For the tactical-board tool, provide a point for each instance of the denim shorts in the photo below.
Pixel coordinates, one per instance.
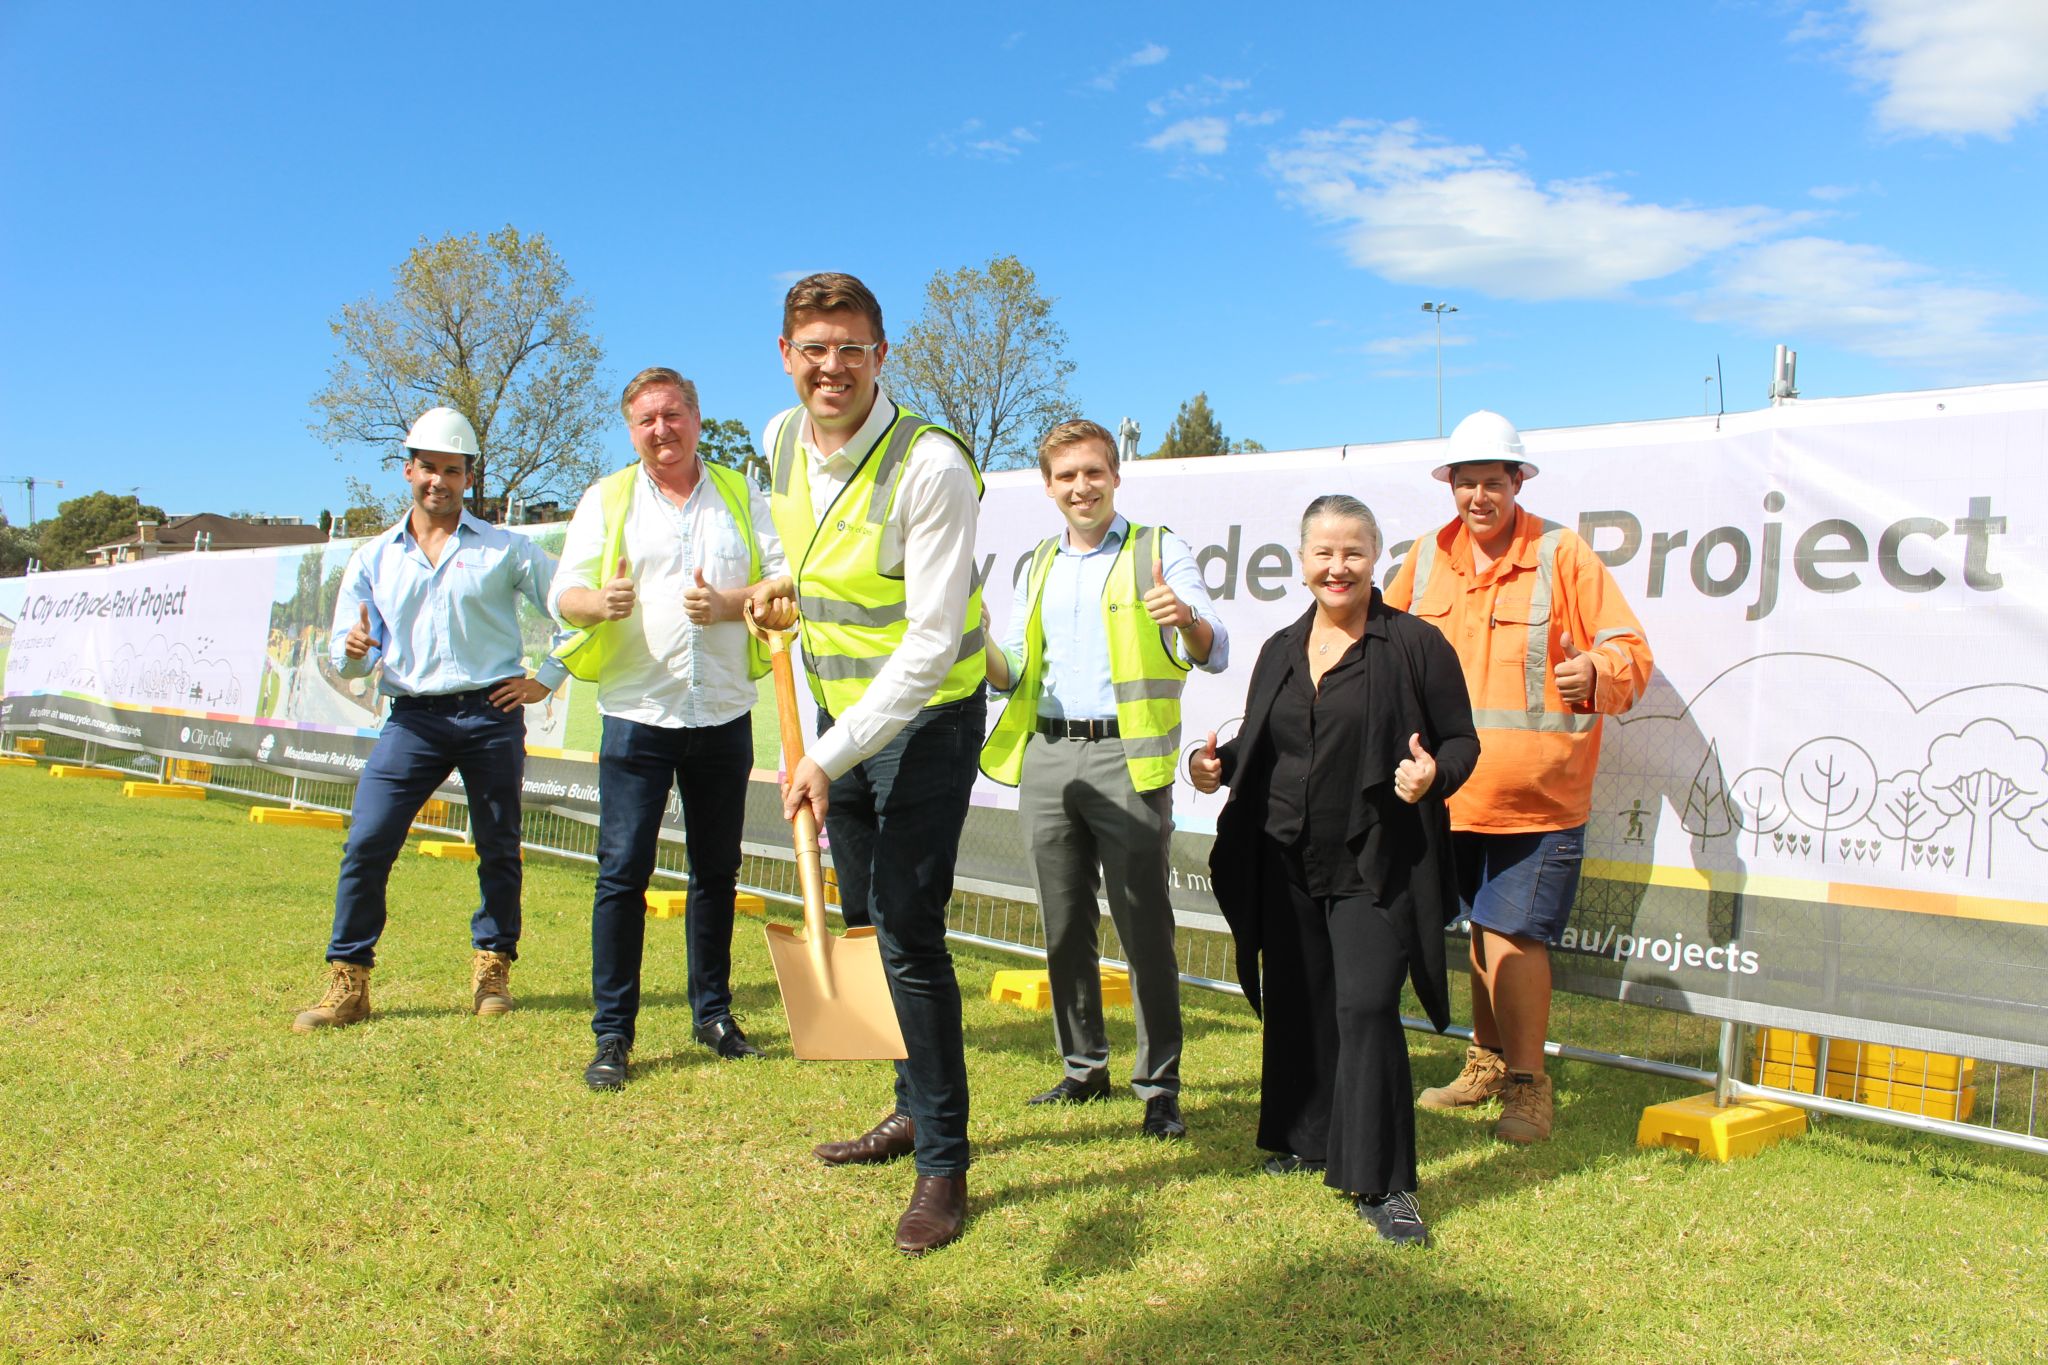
(1522, 885)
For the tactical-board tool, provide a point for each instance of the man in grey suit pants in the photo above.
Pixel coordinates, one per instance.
(1102, 632)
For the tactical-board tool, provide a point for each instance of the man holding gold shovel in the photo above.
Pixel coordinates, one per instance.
(877, 507)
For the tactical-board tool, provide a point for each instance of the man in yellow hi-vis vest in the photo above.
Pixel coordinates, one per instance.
(655, 567)
(1105, 625)
(877, 507)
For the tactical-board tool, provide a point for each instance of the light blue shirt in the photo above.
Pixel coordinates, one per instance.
(1077, 685)
(447, 627)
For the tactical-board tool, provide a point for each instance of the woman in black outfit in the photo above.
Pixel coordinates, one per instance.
(1332, 859)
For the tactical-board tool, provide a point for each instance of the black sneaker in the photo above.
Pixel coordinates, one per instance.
(1287, 1163)
(1071, 1091)
(1395, 1217)
(607, 1071)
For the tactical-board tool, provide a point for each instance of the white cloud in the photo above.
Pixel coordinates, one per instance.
(1200, 94)
(1870, 300)
(1260, 119)
(1424, 340)
(1205, 136)
(1954, 67)
(1834, 194)
(1418, 210)
(1151, 54)
(970, 140)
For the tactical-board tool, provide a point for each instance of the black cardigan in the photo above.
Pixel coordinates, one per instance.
(1414, 686)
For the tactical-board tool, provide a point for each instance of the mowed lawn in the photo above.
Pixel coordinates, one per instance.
(183, 1178)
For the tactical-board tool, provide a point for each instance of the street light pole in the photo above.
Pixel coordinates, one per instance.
(1706, 394)
(1439, 309)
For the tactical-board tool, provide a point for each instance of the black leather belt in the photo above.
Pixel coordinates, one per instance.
(1054, 728)
(447, 701)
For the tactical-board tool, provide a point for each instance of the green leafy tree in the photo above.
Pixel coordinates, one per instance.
(95, 519)
(1247, 447)
(17, 548)
(727, 441)
(369, 511)
(987, 359)
(1195, 431)
(490, 326)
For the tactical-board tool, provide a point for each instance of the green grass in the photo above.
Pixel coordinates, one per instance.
(182, 1178)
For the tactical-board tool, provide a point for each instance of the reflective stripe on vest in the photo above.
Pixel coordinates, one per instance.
(585, 653)
(849, 569)
(1536, 645)
(1146, 671)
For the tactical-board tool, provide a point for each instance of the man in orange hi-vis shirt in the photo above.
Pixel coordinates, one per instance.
(1548, 647)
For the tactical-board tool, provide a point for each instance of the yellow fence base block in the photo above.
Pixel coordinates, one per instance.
(168, 791)
(284, 815)
(1033, 990)
(453, 852)
(676, 904)
(16, 761)
(73, 770)
(30, 746)
(1696, 1125)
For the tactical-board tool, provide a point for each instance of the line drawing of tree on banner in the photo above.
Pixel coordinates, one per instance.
(1985, 771)
(1829, 784)
(1903, 812)
(1758, 804)
(1706, 813)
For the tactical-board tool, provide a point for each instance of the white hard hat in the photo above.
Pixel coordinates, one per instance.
(1481, 439)
(444, 430)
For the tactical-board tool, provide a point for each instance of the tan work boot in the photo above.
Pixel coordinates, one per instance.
(1485, 1075)
(347, 1000)
(1525, 1111)
(490, 978)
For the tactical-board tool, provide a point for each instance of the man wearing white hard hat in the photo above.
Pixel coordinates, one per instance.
(435, 601)
(1548, 647)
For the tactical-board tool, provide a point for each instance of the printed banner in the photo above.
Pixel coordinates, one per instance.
(1832, 805)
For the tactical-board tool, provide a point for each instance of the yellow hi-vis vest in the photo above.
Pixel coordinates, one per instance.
(585, 652)
(848, 567)
(1145, 669)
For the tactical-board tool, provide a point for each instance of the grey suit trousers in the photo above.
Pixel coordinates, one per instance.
(1087, 828)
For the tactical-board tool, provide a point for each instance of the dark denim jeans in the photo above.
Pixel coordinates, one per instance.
(425, 739)
(637, 766)
(894, 823)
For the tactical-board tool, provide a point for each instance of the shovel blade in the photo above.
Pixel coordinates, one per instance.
(839, 1011)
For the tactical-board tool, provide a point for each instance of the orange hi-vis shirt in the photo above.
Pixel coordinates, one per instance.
(1537, 752)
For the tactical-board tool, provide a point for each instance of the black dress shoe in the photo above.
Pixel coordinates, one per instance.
(894, 1136)
(723, 1037)
(1162, 1118)
(937, 1211)
(1287, 1163)
(1071, 1091)
(607, 1071)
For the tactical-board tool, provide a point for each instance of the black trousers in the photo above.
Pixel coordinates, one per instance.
(1335, 1083)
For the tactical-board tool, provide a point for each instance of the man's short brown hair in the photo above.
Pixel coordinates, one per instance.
(651, 377)
(1073, 433)
(829, 292)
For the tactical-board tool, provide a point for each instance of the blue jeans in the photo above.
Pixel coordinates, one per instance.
(637, 765)
(425, 739)
(894, 822)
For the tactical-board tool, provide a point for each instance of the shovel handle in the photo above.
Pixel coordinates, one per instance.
(810, 865)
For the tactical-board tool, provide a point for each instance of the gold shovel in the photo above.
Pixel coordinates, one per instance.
(833, 989)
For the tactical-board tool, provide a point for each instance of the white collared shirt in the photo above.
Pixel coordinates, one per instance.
(666, 671)
(937, 505)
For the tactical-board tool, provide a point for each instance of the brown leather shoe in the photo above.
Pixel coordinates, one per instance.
(938, 1209)
(894, 1136)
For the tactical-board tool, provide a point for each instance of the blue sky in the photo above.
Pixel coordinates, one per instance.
(1254, 203)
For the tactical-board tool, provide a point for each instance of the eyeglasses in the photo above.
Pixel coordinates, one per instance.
(852, 354)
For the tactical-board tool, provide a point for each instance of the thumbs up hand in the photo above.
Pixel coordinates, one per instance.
(1575, 676)
(702, 602)
(359, 641)
(1416, 773)
(1205, 768)
(618, 593)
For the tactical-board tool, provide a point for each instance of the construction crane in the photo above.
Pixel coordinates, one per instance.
(30, 485)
